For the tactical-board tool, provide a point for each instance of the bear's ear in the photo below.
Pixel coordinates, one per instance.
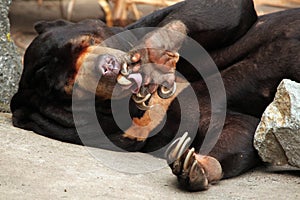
(43, 26)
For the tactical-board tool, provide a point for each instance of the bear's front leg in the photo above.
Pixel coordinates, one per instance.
(232, 154)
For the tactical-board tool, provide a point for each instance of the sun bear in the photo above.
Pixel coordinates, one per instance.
(129, 75)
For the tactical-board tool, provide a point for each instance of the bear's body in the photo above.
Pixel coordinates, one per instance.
(253, 55)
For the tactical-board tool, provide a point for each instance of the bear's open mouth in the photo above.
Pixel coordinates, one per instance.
(142, 85)
(148, 68)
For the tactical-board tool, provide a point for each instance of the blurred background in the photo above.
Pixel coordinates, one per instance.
(24, 13)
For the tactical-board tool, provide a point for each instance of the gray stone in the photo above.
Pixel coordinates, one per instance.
(277, 137)
(10, 60)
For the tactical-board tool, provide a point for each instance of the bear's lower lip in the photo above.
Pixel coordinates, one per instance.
(137, 78)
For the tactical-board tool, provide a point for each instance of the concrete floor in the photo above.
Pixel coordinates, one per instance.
(36, 167)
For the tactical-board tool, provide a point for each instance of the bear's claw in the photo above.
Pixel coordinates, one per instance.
(194, 171)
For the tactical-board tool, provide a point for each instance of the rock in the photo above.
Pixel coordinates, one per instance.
(10, 60)
(277, 137)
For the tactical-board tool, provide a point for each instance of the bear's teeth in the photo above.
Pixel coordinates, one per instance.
(123, 81)
(124, 70)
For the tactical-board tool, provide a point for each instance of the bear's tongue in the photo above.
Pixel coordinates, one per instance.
(136, 82)
(137, 78)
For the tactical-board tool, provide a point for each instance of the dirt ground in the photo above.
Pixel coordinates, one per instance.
(35, 167)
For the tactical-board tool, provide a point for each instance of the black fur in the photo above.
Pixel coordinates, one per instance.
(254, 55)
